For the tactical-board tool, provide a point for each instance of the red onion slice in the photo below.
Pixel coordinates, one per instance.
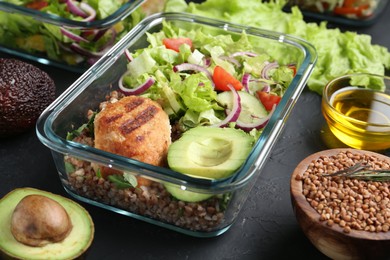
(137, 90)
(83, 10)
(194, 67)
(110, 42)
(235, 111)
(231, 60)
(128, 55)
(89, 10)
(72, 36)
(76, 10)
(99, 34)
(243, 53)
(245, 82)
(266, 88)
(207, 62)
(82, 51)
(267, 68)
(247, 127)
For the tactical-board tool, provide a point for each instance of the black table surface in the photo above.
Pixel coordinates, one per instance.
(266, 227)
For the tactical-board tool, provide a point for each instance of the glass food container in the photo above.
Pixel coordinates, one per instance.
(69, 34)
(226, 196)
(356, 13)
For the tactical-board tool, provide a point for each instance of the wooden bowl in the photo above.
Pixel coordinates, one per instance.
(332, 240)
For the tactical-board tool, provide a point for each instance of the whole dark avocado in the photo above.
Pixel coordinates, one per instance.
(25, 91)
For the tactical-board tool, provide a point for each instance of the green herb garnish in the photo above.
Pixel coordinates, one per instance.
(127, 180)
(87, 126)
(69, 168)
(99, 173)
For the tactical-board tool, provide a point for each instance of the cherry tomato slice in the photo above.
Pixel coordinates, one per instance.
(222, 78)
(37, 5)
(356, 10)
(175, 43)
(293, 68)
(268, 100)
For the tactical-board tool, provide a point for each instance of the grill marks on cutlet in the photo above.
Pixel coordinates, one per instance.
(110, 119)
(142, 118)
(130, 106)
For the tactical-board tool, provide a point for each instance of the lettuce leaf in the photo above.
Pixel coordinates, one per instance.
(338, 52)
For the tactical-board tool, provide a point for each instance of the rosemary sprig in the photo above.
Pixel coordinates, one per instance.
(360, 171)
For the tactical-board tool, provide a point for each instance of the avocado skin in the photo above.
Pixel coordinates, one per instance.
(25, 91)
(82, 232)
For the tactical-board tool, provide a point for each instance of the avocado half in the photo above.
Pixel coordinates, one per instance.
(210, 152)
(72, 247)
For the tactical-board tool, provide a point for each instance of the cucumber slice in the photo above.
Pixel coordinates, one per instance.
(251, 107)
(185, 195)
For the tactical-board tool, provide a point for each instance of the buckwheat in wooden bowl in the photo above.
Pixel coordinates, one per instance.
(347, 215)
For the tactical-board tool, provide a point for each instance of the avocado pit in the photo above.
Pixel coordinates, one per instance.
(38, 220)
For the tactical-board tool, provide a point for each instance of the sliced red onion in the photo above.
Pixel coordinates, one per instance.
(235, 111)
(243, 53)
(247, 127)
(245, 82)
(137, 90)
(189, 66)
(72, 36)
(76, 10)
(92, 60)
(267, 68)
(82, 51)
(64, 47)
(99, 34)
(231, 60)
(83, 10)
(266, 88)
(110, 42)
(207, 62)
(78, 58)
(128, 55)
(89, 10)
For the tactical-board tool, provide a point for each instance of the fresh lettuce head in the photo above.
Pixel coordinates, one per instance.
(338, 52)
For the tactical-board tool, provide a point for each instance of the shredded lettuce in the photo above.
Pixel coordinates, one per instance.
(338, 52)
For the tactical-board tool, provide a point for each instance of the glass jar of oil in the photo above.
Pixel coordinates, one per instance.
(358, 116)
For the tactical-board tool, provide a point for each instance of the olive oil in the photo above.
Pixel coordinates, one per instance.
(361, 118)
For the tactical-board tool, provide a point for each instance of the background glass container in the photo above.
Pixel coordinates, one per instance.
(355, 13)
(39, 36)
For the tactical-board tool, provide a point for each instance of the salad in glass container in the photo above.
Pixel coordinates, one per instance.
(70, 33)
(350, 12)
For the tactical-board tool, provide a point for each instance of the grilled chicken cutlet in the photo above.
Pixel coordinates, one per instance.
(135, 127)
